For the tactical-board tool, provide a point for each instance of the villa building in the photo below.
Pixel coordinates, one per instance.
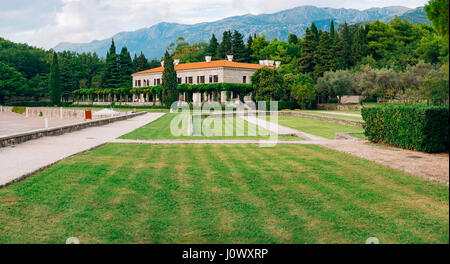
(220, 71)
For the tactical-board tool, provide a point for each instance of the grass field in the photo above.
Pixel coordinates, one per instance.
(333, 115)
(130, 193)
(160, 129)
(317, 127)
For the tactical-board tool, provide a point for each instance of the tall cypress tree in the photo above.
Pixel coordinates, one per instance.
(111, 76)
(55, 81)
(325, 59)
(125, 68)
(140, 63)
(211, 50)
(315, 32)
(169, 81)
(344, 48)
(238, 48)
(332, 31)
(225, 46)
(308, 47)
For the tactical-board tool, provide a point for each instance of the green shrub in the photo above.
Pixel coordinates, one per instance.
(333, 101)
(36, 103)
(417, 127)
(18, 109)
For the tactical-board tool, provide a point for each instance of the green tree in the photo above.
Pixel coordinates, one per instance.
(292, 39)
(225, 47)
(141, 63)
(303, 91)
(308, 48)
(267, 84)
(211, 50)
(55, 81)
(238, 48)
(437, 12)
(325, 57)
(259, 44)
(10, 81)
(125, 69)
(380, 39)
(169, 81)
(344, 47)
(111, 76)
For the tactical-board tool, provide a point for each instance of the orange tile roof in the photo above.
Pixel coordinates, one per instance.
(205, 65)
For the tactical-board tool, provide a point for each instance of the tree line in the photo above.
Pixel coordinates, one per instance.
(321, 63)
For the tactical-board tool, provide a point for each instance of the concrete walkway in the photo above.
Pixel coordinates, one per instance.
(22, 160)
(279, 129)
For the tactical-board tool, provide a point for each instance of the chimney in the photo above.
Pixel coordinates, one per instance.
(208, 59)
(176, 62)
(162, 63)
(230, 57)
(277, 64)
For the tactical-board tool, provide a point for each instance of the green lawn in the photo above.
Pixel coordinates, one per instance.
(160, 129)
(316, 127)
(333, 115)
(131, 193)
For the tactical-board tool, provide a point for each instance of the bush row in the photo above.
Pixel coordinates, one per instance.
(417, 127)
(36, 103)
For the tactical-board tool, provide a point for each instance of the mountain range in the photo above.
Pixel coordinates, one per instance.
(154, 40)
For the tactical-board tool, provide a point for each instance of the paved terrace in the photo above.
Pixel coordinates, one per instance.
(22, 160)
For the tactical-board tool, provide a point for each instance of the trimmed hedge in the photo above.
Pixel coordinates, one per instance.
(417, 127)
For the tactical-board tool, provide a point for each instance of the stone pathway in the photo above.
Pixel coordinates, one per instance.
(20, 161)
(279, 129)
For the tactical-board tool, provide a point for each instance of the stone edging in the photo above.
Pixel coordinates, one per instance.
(15, 139)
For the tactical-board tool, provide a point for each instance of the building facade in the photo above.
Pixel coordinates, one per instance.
(220, 71)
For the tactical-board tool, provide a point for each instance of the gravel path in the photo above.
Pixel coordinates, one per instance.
(20, 161)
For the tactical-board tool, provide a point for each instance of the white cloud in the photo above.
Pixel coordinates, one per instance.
(45, 23)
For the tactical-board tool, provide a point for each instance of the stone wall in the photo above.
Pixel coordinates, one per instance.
(351, 99)
(56, 131)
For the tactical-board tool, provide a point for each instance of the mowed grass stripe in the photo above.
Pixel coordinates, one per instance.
(247, 225)
(160, 129)
(370, 202)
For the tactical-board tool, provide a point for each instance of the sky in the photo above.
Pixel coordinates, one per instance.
(45, 23)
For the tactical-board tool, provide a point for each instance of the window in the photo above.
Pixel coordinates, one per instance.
(210, 78)
(200, 79)
(139, 83)
(216, 78)
(180, 80)
(244, 79)
(189, 79)
(158, 81)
